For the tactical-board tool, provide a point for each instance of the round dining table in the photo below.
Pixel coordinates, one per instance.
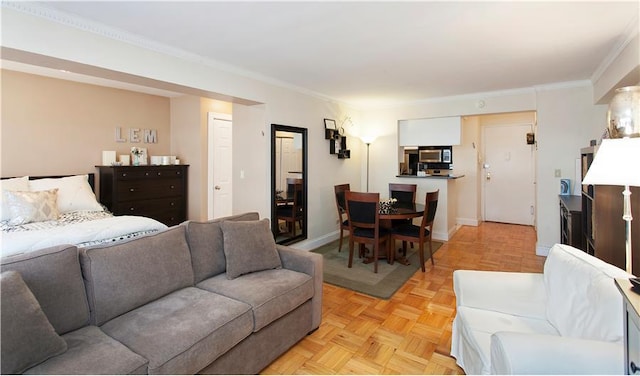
(401, 210)
(398, 210)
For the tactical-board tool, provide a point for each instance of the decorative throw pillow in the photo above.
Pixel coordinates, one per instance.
(27, 336)
(26, 207)
(249, 247)
(14, 184)
(74, 192)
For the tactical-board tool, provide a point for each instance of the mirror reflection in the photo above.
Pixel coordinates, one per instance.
(288, 183)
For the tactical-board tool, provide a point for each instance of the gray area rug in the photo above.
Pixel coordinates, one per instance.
(361, 277)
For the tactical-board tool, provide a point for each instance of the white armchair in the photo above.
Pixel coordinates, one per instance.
(567, 320)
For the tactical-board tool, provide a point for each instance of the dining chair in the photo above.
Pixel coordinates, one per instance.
(342, 211)
(404, 193)
(363, 214)
(292, 213)
(419, 234)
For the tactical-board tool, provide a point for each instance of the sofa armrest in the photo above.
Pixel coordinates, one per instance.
(309, 263)
(519, 353)
(520, 294)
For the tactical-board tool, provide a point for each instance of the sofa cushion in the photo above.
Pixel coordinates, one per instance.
(280, 291)
(90, 351)
(471, 340)
(127, 275)
(206, 245)
(583, 301)
(27, 336)
(520, 294)
(54, 276)
(249, 247)
(183, 332)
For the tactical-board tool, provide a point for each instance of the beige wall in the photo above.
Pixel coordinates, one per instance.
(52, 126)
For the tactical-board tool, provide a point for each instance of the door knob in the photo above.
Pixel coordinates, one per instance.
(217, 188)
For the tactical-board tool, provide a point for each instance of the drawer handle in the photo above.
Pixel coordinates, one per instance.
(146, 174)
(159, 173)
(633, 367)
(173, 186)
(131, 189)
(173, 204)
(132, 209)
(124, 174)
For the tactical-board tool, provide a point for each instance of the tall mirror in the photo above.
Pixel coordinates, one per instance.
(288, 183)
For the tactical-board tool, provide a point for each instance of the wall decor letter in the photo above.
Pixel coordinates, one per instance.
(150, 136)
(118, 136)
(133, 134)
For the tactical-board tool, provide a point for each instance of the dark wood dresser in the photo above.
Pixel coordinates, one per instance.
(158, 192)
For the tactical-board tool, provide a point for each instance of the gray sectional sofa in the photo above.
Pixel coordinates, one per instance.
(202, 297)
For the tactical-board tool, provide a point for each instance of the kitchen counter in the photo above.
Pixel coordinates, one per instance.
(450, 176)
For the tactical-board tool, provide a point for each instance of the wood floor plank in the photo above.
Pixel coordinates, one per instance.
(411, 332)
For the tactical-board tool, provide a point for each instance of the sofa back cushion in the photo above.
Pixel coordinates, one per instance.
(583, 301)
(27, 336)
(124, 276)
(54, 277)
(207, 245)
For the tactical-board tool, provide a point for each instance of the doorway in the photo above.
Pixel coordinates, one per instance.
(508, 174)
(220, 178)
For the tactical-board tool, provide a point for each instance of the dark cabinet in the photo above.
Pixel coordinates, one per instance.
(602, 223)
(571, 221)
(158, 192)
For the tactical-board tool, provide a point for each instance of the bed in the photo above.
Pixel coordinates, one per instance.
(44, 211)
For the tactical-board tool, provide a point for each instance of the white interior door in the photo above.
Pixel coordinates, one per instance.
(220, 187)
(508, 175)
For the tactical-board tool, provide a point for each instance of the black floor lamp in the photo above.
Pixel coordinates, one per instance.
(367, 140)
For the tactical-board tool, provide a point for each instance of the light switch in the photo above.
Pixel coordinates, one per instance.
(558, 173)
(241, 174)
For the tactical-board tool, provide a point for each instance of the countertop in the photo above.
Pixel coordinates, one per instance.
(450, 176)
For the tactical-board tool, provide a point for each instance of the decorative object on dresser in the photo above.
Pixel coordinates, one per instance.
(158, 192)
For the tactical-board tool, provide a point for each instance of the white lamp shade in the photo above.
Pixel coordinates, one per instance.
(368, 139)
(617, 162)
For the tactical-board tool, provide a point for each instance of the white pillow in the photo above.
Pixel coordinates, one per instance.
(74, 192)
(27, 207)
(14, 184)
(582, 300)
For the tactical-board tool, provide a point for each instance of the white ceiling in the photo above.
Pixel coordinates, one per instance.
(370, 53)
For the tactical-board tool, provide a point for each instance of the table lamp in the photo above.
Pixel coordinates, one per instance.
(617, 160)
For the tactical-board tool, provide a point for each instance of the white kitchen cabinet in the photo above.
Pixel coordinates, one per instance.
(430, 132)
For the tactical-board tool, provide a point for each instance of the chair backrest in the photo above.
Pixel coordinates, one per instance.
(430, 206)
(339, 190)
(363, 209)
(294, 186)
(404, 193)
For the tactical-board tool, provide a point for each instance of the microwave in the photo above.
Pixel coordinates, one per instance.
(435, 156)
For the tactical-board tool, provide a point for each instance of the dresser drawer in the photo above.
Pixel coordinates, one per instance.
(148, 173)
(148, 207)
(142, 189)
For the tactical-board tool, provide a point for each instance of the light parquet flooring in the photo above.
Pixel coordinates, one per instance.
(411, 332)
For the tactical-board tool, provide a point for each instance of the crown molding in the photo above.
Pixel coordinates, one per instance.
(630, 33)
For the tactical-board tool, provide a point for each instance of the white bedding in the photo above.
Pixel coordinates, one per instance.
(74, 230)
